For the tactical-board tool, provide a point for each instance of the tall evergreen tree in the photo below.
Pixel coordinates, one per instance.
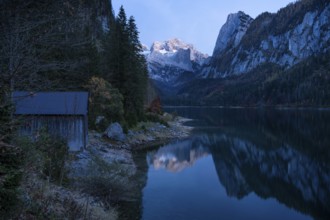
(115, 51)
(139, 72)
(127, 66)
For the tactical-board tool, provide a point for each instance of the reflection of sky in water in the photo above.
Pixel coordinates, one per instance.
(273, 166)
(197, 194)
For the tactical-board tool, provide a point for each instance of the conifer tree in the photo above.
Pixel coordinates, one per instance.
(127, 69)
(139, 74)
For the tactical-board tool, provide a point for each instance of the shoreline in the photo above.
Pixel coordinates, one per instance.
(276, 107)
(176, 130)
(111, 164)
(121, 153)
(148, 135)
(102, 178)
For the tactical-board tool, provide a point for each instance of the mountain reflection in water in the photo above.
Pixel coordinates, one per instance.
(177, 156)
(274, 154)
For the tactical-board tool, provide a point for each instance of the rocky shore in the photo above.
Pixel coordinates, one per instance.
(145, 135)
(106, 172)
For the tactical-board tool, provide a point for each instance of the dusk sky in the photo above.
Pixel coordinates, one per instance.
(193, 21)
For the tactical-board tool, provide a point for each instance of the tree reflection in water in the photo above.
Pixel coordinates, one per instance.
(281, 154)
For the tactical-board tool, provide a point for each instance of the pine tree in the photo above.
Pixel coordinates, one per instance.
(127, 69)
(139, 74)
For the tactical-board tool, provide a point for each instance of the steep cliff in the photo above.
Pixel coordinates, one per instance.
(285, 38)
(231, 32)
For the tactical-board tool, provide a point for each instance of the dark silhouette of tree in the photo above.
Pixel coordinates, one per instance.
(127, 69)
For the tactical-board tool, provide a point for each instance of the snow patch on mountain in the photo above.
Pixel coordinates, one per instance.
(168, 60)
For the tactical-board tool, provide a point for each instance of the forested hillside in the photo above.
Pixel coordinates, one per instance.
(67, 45)
(63, 44)
(306, 84)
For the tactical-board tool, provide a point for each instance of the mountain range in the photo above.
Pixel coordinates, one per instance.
(275, 59)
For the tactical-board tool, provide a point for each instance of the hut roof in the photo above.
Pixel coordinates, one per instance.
(50, 103)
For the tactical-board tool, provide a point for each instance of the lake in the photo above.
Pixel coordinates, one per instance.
(241, 164)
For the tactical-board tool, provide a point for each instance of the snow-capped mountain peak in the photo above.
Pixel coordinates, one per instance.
(168, 59)
(172, 45)
(177, 53)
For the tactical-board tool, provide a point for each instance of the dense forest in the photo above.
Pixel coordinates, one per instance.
(305, 84)
(66, 46)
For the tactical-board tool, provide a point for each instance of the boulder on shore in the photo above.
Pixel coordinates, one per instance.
(115, 132)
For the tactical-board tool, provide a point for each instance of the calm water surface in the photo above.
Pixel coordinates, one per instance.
(242, 164)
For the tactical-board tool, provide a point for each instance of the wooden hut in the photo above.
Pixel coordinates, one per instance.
(62, 114)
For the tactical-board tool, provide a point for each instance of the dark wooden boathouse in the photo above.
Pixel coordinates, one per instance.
(62, 114)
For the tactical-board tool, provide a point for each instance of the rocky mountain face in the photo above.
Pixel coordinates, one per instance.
(232, 31)
(278, 58)
(170, 60)
(285, 38)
